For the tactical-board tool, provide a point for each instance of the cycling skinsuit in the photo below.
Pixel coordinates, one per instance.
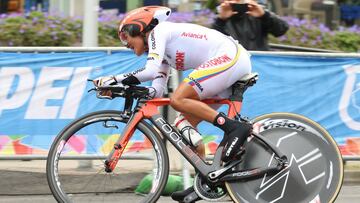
(218, 60)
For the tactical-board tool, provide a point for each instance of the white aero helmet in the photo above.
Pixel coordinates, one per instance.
(142, 20)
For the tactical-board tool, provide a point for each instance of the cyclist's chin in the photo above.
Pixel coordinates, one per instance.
(139, 51)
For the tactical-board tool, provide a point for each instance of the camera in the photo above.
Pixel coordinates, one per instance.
(240, 8)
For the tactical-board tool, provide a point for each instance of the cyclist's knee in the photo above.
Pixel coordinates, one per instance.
(175, 102)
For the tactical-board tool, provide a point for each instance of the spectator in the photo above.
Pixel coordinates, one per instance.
(251, 29)
(3, 6)
(31, 5)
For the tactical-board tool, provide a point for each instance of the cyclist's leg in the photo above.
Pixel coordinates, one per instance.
(207, 82)
(186, 100)
(194, 121)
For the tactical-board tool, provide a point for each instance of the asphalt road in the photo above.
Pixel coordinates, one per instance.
(30, 185)
(348, 194)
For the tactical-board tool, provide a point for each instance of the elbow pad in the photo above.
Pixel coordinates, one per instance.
(130, 80)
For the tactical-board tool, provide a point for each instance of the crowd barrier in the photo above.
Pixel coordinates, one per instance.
(43, 89)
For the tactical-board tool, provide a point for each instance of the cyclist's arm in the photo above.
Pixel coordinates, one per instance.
(160, 83)
(138, 76)
(156, 43)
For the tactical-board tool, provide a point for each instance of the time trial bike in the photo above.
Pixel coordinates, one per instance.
(287, 157)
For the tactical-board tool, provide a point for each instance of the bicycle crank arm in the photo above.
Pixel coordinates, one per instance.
(216, 174)
(251, 173)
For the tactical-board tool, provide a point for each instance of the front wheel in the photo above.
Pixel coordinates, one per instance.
(315, 171)
(75, 165)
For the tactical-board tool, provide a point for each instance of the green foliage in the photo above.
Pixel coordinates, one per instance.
(347, 41)
(349, 2)
(38, 29)
(211, 4)
(108, 35)
(315, 35)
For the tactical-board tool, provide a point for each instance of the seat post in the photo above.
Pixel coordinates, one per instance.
(239, 87)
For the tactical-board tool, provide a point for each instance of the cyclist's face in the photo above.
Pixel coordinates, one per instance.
(135, 43)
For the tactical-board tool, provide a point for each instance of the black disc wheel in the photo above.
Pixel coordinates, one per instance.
(315, 170)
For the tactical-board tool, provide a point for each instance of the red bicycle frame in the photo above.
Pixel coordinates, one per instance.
(149, 110)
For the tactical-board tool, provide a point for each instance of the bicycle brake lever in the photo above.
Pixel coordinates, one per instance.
(92, 89)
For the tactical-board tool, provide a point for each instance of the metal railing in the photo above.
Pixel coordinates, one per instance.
(283, 47)
(140, 156)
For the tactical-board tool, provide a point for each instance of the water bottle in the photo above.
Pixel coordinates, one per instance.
(187, 130)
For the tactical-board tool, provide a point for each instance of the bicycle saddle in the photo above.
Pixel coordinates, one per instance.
(239, 87)
(249, 78)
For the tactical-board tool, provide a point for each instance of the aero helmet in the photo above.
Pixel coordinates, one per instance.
(142, 20)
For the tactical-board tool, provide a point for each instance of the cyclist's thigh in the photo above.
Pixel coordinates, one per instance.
(219, 73)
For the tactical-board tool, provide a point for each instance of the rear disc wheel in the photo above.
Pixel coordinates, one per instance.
(315, 171)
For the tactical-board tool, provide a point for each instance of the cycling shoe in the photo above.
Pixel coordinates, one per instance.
(187, 196)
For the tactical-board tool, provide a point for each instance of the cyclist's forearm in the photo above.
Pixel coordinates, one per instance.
(136, 77)
(160, 85)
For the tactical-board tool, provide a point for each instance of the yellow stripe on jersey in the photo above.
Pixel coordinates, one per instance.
(155, 55)
(208, 72)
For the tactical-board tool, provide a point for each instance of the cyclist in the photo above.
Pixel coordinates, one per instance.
(218, 61)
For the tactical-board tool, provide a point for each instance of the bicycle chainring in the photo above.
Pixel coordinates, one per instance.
(206, 192)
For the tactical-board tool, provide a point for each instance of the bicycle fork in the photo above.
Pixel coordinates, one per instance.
(119, 146)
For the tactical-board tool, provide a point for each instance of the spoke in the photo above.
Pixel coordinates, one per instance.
(111, 182)
(103, 182)
(92, 178)
(91, 184)
(97, 154)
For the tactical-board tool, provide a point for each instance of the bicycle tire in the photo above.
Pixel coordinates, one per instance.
(315, 172)
(71, 192)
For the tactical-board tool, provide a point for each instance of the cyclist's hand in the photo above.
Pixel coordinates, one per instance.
(104, 81)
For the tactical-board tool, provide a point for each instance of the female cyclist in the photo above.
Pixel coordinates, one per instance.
(218, 61)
